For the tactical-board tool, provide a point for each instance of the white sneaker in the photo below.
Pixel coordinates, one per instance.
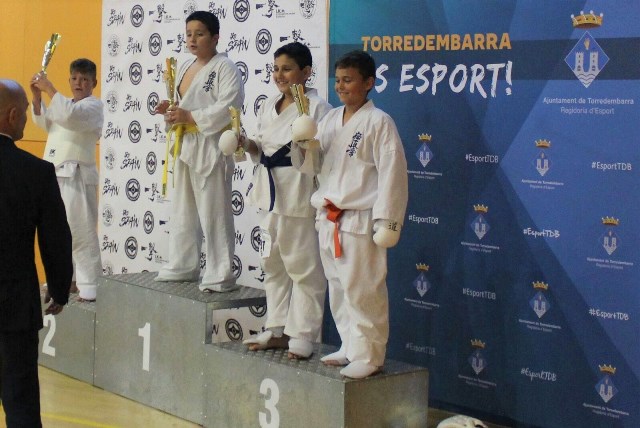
(359, 370)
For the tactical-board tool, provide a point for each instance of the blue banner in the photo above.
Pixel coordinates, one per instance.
(516, 278)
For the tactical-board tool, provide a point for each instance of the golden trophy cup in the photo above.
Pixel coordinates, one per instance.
(49, 49)
(303, 128)
(229, 140)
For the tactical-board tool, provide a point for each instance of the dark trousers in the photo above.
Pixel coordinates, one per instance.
(19, 385)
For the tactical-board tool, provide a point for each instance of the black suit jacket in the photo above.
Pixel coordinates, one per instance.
(29, 201)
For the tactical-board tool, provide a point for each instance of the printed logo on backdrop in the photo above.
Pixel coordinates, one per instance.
(151, 251)
(237, 202)
(133, 189)
(258, 103)
(113, 45)
(264, 73)
(258, 311)
(109, 188)
(179, 42)
(420, 286)
(161, 16)
(256, 239)
(238, 173)
(607, 391)
(157, 72)
(133, 46)
(241, 10)
(244, 71)
(154, 193)
(148, 222)
(132, 104)
(239, 238)
(307, 8)
(107, 268)
(136, 16)
(155, 44)
(237, 43)
(107, 215)
(108, 245)
(609, 244)
(539, 305)
(263, 41)
(259, 273)
(233, 329)
(236, 266)
(131, 247)
(135, 132)
(112, 131)
(130, 162)
(219, 11)
(480, 228)
(271, 9)
(424, 155)
(152, 103)
(110, 158)
(189, 7)
(311, 81)
(115, 18)
(542, 164)
(112, 101)
(151, 163)
(586, 59)
(297, 36)
(157, 134)
(114, 75)
(128, 219)
(478, 363)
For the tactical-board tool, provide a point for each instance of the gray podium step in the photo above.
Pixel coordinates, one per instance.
(265, 389)
(150, 339)
(67, 340)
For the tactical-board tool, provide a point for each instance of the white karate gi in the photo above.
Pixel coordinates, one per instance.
(73, 129)
(294, 281)
(364, 173)
(201, 198)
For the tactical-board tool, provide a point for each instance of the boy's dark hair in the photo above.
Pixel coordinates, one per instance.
(208, 19)
(296, 51)
(360, 60)
(84, 66)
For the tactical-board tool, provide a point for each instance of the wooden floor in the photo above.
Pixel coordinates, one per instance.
(69, 403)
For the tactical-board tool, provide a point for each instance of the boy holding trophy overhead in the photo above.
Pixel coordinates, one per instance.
(74, 126)
(295, 284)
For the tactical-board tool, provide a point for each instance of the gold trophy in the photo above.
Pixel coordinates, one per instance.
(303, 128)
(169, 77)
(49, 49)
(229, 139)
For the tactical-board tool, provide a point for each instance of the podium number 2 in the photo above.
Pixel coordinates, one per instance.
(49, 321)
(269, 388)
(145, 334)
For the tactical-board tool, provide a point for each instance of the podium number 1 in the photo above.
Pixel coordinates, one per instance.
(49, 321)
(145, 334)
(269, 388)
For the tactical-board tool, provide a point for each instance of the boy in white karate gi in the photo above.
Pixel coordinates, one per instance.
(294, 281)
(361, 203)
(201, 199)
(74, 126)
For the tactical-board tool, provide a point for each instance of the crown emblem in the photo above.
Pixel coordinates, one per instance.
(545, 144)
(610, 221)
(477, 343)
(481, 208)
(422, 266)
(539, 285)
(589, 20)
(424, 137)
(607, 369)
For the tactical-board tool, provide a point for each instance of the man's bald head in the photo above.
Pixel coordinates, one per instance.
(13, 108)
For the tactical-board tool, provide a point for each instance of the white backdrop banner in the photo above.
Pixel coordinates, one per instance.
(137, 37)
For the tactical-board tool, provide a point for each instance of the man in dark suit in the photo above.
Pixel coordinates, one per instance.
(29, 201)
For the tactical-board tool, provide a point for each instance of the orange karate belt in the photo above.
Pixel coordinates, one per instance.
(333, 215)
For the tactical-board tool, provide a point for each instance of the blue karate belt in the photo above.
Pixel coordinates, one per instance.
(278, 159)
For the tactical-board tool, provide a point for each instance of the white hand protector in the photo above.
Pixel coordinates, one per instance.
(386, 233)
(228, 142)
(303, 128)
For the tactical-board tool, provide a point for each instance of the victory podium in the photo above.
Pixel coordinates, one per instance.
(67, 340)
(266, 389)
(150, 339)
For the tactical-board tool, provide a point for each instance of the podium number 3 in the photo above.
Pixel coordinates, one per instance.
(145, 334)
(269, 388)
(49, 321)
